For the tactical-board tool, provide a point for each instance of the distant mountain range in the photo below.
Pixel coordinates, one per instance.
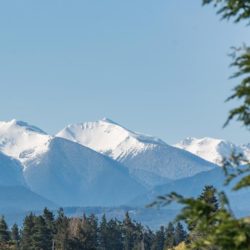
(213, 150)
(149, 160)
(101, 164)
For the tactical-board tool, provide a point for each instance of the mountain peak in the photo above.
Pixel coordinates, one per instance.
(211, 149)
(14, 123)
(105, 119)
(106, 136)
(21, 140)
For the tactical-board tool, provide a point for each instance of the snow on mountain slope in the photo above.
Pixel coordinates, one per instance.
(11, 172)
(211, 149)
(22, 141)
(108, 137)
(71, 174)
(140, 153)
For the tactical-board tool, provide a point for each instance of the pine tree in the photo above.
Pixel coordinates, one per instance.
(179, 234)
(27, 233)
(115, 239)
(93, 231)
(128, 233)
(4, 233)
(83, 233)
(149, 239)
(208, 196)
(170, 241)
(61, 231)
(41, 235)
(88, 233)
(159, 240)
(15, 235)
(49, 219)
(103, 234)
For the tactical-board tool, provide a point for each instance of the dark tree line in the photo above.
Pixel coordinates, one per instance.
(46, 232)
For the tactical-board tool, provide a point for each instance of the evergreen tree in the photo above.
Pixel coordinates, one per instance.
(103, 234)
(27, 233)
(148, 238)
(159, 241)
(86, 234)
(138, 236)
(4, 233)
(179, 234)
(41, 235)
(49, 219)
(61, 231)
(170, 240)
(15, 235)
(115, 240)
(93, 222)
(128, 233)
(208, 196)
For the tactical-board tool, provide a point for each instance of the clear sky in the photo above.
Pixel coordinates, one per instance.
(157, 67)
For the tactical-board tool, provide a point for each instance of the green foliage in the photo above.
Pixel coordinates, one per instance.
(209, 196)
(103, 233)
(27, 232)
(170, 236)
(130, 233)
(160, 239)
(61, 231)
(242, 90)
(44, 232)
(4, 233)
(237, 9)
(115, 237)
(210, 228)
(15, 235)
(209, 218)
(180, 234)
(41, 235)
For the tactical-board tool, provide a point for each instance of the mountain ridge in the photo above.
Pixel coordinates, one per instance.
(139, 153)
(213, 149)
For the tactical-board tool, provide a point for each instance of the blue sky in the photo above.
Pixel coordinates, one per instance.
(157, 67)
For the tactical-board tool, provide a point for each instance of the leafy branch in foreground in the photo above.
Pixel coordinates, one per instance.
(237, 9)
(210, 221)
(209, 218)
(214, 227)
(241, 91)
(234, 167)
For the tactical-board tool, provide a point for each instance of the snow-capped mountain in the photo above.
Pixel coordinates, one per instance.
(71, 174)
(213, 150)
(63, 171)
(22, 141)
(110, 138)
(150, 160)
